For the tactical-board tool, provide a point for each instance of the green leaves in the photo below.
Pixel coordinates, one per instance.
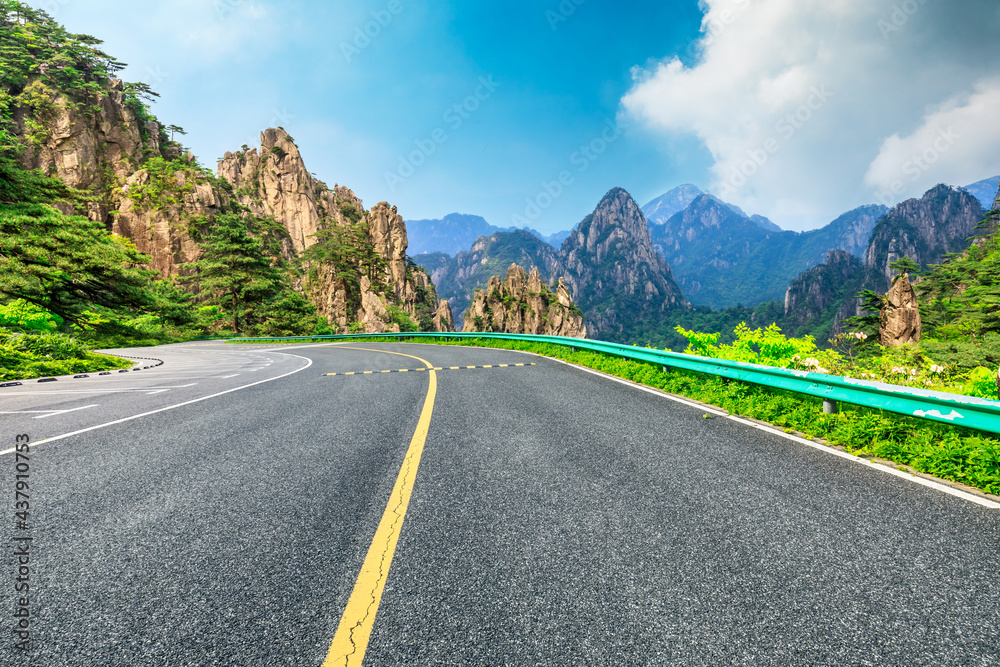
(68, 264)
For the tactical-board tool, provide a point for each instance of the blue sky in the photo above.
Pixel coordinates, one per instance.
(662, 93)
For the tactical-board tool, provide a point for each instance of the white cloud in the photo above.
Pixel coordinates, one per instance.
(958, 143)
(801, 103)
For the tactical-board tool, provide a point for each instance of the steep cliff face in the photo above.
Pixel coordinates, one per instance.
(820, 299)
(924, 229)
(90, 147)
(273, 182)
(521, 303)
(161, 226)
(458, 277)
(614, 272)
(104, 149)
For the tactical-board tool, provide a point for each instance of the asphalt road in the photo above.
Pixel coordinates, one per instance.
(557, 517)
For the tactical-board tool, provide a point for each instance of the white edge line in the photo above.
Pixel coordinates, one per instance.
(170, 407)
(938, 486)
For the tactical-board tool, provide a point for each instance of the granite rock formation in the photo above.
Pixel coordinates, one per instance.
(924, 229)
(614, 273)
(522, 303)
(900, 317)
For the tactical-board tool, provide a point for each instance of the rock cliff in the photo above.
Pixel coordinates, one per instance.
(458, 277)
(65, 114)
(613, 271)
(521, 303)
(273, 182)
(820, 299)
(924, 229)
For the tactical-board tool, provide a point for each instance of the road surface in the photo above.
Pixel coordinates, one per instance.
(218, 509)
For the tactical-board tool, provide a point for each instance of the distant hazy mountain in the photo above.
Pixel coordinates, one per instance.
(722, 258)
(614, 273)
(985, 191)
(457, 232)
(660, 209)
(665, 206)
(450, 235)
(554, 240)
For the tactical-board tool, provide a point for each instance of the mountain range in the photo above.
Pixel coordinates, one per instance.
(456, 232)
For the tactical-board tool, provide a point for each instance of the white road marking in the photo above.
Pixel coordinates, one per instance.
(169, 407)
(226, 377)
(62, 412)
(158, 391)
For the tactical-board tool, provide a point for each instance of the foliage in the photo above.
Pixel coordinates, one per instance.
(27, 355)
(39, 59)
(67, 264)
(23, 316)
(400, 317)
(234, 273)
(960, 298)
(19, 185)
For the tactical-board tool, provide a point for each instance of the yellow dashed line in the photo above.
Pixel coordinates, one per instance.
(434, 368)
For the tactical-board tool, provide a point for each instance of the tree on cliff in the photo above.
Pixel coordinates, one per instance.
(66, 264)
(234, 272)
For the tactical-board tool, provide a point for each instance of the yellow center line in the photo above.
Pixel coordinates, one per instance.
(351, 639)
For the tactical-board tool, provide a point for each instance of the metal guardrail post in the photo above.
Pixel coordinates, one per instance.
(829, 407)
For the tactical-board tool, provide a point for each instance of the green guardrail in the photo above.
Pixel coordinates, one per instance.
(968, 411)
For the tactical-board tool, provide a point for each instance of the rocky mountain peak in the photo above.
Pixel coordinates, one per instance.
(521, 303)
(274, 182)
(924, 229)
(613, 270)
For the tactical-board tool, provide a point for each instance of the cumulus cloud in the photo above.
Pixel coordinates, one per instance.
(809, 109)
(957, 143)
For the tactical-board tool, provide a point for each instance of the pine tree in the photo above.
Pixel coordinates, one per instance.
(234, 272)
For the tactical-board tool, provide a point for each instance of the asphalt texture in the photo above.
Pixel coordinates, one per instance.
(557, 518)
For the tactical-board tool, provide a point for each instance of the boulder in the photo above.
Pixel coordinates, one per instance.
(900, 317)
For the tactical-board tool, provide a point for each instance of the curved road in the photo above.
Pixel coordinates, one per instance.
(218, 509)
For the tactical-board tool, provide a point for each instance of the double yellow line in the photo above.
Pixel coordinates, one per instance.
(351, 640)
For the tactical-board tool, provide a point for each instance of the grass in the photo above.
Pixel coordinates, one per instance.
(949, 452)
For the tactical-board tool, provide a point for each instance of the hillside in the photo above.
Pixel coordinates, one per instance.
(67, 116)
(722, 258)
